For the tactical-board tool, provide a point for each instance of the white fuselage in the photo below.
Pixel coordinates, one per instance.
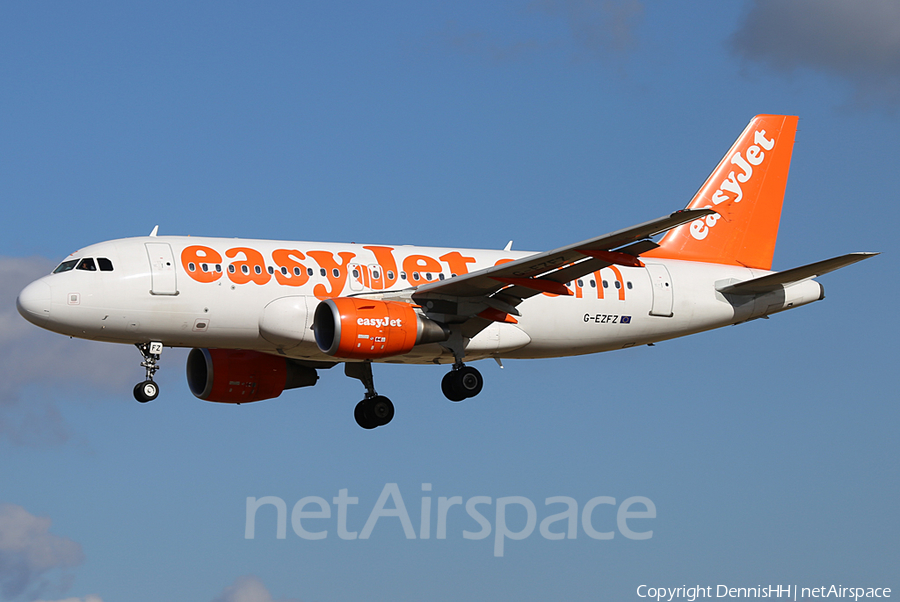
(261, 295)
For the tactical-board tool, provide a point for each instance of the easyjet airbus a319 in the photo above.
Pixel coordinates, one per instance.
(264, 316)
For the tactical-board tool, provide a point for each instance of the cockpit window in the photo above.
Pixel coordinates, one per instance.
(65, 266)
(86, 264)
(104, 264)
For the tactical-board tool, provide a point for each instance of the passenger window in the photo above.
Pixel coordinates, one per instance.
(593, 283)
(629, 285)
(65, 266)
(618, 284)
(104, 264)
(86, 264)
(323, 272)
(605, 284)
(309, 272)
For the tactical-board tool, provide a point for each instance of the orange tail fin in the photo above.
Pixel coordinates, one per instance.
(747, 190)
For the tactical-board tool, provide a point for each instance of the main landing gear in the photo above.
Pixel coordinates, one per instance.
(374, 410)
(148, 390)
(462, 382)
(377, 410)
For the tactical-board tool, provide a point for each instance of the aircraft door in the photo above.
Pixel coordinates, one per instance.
(661, 285)
(377, 278)
(355, 277)
(162, 268)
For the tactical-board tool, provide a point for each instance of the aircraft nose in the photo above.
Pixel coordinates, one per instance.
(33, 302)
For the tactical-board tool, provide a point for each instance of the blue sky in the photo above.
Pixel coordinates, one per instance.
(768, 450)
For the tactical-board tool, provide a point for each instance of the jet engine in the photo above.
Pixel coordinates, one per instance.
(368, 329)
(238, 376)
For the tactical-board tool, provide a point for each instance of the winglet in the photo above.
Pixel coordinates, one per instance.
(155, 230)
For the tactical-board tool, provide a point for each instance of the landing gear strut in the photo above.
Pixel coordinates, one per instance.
(148, 390)
(374, 410)
(462, 382)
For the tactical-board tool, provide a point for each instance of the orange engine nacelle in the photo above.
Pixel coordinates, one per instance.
(368, 329)
(236, 376)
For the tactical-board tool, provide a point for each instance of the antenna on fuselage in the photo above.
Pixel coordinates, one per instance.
(155, 230)
(508, 246)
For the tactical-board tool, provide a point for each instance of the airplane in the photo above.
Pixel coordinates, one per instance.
(265, 316)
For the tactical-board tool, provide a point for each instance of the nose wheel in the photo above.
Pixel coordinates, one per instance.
(148, 390)
(461, 383)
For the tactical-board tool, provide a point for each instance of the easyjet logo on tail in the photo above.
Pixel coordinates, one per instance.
(730, 188)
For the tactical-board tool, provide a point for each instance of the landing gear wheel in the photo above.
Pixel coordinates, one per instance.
(374, 412)
(146, 391)
(448, 386)
(362, 415)
(381, 409)
(469, 381)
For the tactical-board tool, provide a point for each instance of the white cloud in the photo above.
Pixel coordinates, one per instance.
(856, 41)
(49, 361)
(30, 554)
(247, 589)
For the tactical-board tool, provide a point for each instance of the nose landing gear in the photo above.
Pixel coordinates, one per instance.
(148, 390)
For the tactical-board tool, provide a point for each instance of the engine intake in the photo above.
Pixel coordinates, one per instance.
(369, 329)
(238, 376)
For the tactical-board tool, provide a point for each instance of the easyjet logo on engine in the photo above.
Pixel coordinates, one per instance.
(379, 322)
(730, 189)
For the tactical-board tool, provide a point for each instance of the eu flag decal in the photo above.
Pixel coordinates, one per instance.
(625, 320)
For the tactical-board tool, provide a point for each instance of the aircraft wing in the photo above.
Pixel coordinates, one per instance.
(504, 286)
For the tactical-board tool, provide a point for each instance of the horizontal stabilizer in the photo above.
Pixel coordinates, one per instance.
(771, 282)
